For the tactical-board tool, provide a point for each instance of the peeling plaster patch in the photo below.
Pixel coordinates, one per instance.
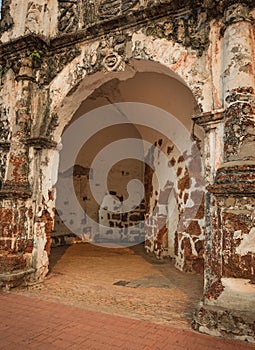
(238, 294)
(40, 256)
(182, 207)
(49, 95)
(66, 80)
(247, 244)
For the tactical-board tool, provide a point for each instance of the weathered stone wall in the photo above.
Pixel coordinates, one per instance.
(177, 226)
(231, 196)
(69, 226)
(55, 54)
(128, 226)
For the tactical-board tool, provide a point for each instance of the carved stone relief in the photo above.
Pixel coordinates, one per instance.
(112, 62)
(92, 11)
(33, 17)
(101, 10)
(56, 62)
(128, 5)
(4, 130)
(190, 29)
(68, 16)
(3, 159)
(6, 18)
(113, 52)
(4, 125)
(110, 8)
(89, 11)
(236, 13)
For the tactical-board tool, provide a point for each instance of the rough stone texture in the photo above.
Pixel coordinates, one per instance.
(130, 224)
(239, 126)
(178, 211)
(56, 55)
(7, 20)
(224, 323)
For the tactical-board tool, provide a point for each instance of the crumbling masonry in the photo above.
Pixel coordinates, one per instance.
(60, 59)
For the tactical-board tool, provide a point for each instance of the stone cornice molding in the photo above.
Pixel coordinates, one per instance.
(207, 118)
(135, 18)
(236, 177)
(40, 143)
(19, 191)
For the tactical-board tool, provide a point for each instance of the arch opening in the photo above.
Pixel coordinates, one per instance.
(171, 214)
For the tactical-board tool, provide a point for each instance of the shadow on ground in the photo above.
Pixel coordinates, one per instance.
(120, 281)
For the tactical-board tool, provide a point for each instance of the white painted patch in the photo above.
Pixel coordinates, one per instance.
(238, 234)
(248, 243)
(238, 294)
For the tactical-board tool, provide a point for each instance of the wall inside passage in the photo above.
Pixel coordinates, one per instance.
(176, 229)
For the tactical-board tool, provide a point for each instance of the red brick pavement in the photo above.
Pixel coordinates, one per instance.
(29, 323)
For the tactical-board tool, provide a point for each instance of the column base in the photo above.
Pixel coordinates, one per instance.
(16, 278)
(232, 314)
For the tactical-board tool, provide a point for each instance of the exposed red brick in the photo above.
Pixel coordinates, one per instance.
(161, 238)
(170, 149)
(186, 247)
(186, 197)
(239, 266)
(193, 228)
(198, 265)
(184, 183)
(6, 215)
(30, 213)
(236, 222)
(176, 243)
(5, 245)
(179, 171)
(181, 159)
(171, 162)
(199, 246)
(9, 263)
(29, 247)
(215, 290)
(51, 195)
(49, 223)
(20, 171)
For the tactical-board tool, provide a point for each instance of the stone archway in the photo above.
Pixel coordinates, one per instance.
(117, 90)
(162, 88)
(43, 78)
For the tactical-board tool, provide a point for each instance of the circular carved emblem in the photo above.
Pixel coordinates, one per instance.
(112, 61)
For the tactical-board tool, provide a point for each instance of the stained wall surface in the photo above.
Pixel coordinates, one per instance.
(192, 59)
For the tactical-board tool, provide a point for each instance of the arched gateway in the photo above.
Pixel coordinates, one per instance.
(193, 60)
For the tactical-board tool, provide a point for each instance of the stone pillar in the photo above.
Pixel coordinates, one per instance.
(229, 296)
(27, 198)
(16, 179)
(235, 179)
(212, 123)
(15, 195)
(44, 171)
